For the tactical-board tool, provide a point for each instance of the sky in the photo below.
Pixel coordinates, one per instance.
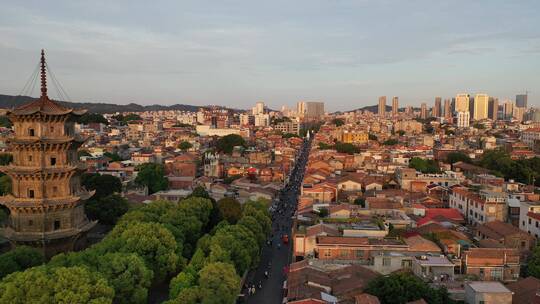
(234, 53)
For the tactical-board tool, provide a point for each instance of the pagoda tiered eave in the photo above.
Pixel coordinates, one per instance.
(45, 236)
(41, 171)
(44, 204)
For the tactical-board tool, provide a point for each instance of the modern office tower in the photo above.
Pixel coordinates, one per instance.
(437, 107)
(258, 108)
(46, 202)
(521, 100)
(382, 106)
(518, 113)
(508, 109)
(423, 110)
(462, 103)
(447, 109)
(480, 106)
(493, 108)
(463, 119)
(395, 105)
(310, 110)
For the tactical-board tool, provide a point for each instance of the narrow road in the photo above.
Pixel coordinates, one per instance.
(268, 278)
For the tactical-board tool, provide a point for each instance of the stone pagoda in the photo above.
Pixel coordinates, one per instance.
(46, 208)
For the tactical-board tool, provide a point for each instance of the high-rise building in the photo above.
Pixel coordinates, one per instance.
(518, 113)
(437, 107)
(46, 201)
(310, 110)
(493, 108)
(382, 106)
(463, 119)
(423, 110)
(258, 108)
(462, 103)
(447, 109)
(508, 109)
(395, 105)
(521, 100)
(480, 106)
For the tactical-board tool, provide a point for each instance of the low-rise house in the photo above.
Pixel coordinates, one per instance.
(492, 264)
(507, 235)
(487, 292)
(479, 208)
(525, 290)
(433, 268)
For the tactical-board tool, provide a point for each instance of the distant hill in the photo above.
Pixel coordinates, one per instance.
(9, 101)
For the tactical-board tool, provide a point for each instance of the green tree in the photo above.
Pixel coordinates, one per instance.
(113, 156)
(289, 135)
(127, 275)
(151, 241)
(5, 184)
(325, 146)
(5, 159)
(230, 209)
(236, 244)
(185, 145)
(390, 142)
(254, 226)
(56, 285)
(103, 184)
(454, 157)
(361, 202)
(92, 118)
(338, 122)
(372, 137)
(152, 176)
(20, 258)
(403, 287)
(219, 283)
(226, 143)
(346, 148)
(533, 265)
(323, 212)
(424, 165)
(5, 122)
(401, 132)
(107, 209)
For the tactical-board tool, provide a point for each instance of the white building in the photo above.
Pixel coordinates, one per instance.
(463, 119)
(530, 136)
(258, 108)
(529, 218)
(479, 208)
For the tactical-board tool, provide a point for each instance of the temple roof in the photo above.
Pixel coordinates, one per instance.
(45, 106)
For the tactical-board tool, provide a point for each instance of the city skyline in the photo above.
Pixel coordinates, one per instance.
(234, 56)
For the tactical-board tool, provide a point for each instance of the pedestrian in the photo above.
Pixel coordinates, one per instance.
(266, 274)
(260, 284)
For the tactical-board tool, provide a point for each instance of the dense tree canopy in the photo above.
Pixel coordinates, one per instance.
(454, 157)
(289, 135)
(226, 143)
(113, 156)
(338, 122)
(390, 142)
(92, 118)
(230, 209)
(403, 287)
(55, 285)
(152, 176)
(5, 159)
(20, 258)
(521, 170)
(346, 148)
(185, 145)
(424, 165)
(103, 184)
(5, 184)
(108, 209)
(5, 122)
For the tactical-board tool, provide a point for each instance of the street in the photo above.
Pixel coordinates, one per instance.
(269, 277)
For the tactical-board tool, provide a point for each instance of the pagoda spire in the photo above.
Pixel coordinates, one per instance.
(43, 75)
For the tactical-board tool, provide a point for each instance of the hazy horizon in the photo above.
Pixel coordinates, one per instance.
(234, 53)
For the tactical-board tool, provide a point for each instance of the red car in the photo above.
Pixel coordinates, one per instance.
(285, 239)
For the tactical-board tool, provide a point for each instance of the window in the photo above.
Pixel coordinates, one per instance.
(481, 273)
(29, 158)
(30, 222)
(360, 254)
(406, 263)
(529, 221)
(56, 224)
(52, 129)
(55, 190)
(536, 222)
(30, 193)
(386, 261)
(53, 161)
(496, 274)
(523, 244)
(31, 132)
